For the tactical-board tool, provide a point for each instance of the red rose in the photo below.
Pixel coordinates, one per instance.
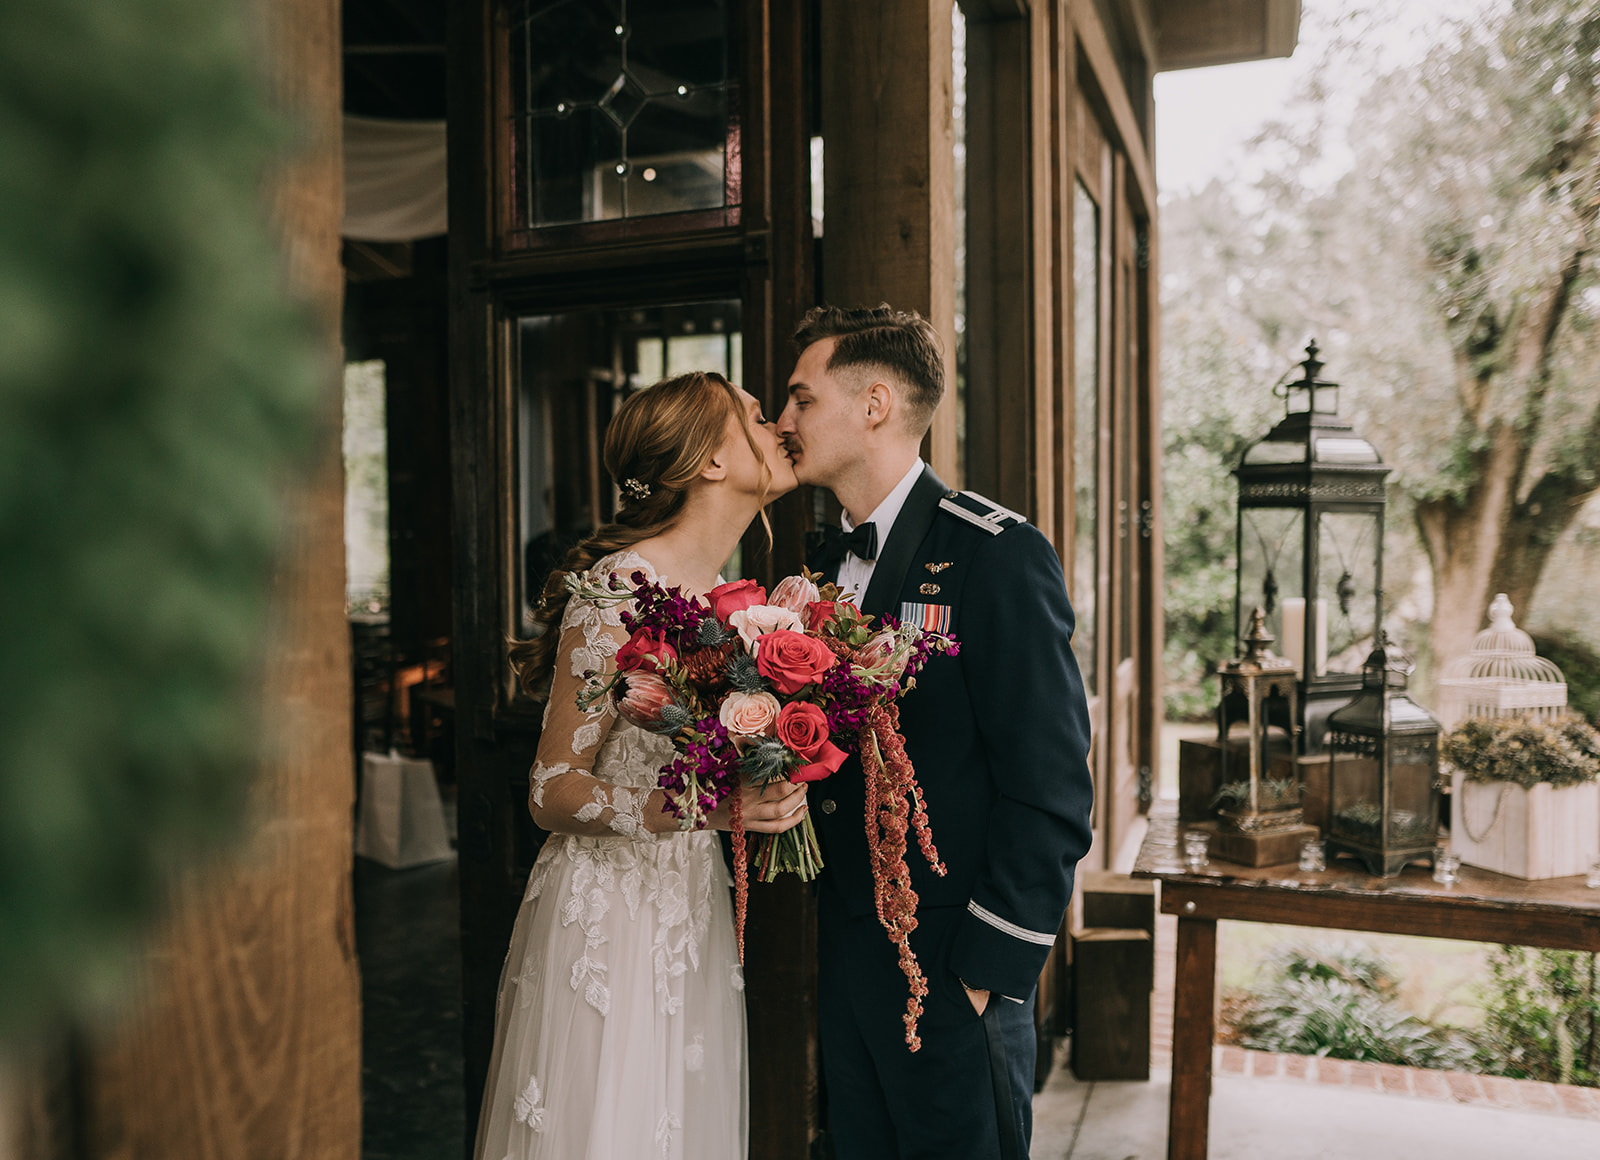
(819, 612)
(804, 728)
(792, 660)
(646, 649)
(726, 599)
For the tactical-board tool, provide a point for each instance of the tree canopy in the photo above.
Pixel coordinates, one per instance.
(1449, 273)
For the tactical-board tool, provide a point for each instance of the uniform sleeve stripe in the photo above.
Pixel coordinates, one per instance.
(1036, 937)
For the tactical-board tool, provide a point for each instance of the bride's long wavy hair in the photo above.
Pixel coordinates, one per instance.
(663, 437)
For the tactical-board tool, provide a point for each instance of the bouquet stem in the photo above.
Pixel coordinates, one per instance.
(794, 851)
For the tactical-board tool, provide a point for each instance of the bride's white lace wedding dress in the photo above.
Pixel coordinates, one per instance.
(620, 1029)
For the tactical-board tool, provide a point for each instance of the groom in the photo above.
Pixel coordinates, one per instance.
(999, 737)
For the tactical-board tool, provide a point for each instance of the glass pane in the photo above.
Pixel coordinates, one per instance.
(1270, 577)
(1086, 429)
(1346, 570)
(573, 370)
(1413, 769)
(366, 488)
(621, 110)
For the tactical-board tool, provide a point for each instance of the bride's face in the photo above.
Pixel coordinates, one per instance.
(744, 469)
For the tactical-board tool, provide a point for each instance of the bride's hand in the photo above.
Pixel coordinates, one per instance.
(769, 809)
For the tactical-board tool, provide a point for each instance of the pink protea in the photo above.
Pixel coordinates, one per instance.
(794, 593)
(647, 701)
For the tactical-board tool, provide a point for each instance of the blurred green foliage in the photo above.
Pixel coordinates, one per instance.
(156, 391)
(1541, 1017)
(1342, 1001)
(1524, 750)
(1580, 665)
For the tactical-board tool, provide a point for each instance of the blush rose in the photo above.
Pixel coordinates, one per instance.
(804, 728)
(726, 599)
(792, 660)
(749, 714)
(760, 619)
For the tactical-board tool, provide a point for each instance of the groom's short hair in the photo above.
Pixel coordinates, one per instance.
(897, 343)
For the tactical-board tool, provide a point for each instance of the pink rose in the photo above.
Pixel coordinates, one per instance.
(646, 700)
(792, 660)
(726, 599)
(759, 619)
(819, 612)
(646, 649)
(794, 593)
(750, 714)
(804, 728)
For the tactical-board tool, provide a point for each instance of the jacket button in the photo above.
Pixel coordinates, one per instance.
(829, 805)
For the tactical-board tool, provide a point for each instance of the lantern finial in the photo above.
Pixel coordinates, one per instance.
(1311, 364)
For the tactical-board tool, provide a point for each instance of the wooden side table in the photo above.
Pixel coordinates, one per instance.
(1559, 913)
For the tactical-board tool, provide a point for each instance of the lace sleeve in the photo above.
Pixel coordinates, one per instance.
(563, 795)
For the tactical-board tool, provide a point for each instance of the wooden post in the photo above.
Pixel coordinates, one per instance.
(889, 172)
(1194, 1025)
(245, 1041)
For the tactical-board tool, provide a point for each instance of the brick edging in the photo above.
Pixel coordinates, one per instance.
(1490, 1091)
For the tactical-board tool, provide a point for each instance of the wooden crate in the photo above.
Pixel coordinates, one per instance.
(1541, 832)
(1113, 976)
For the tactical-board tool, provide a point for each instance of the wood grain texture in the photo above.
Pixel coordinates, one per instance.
(246, 1040)
(888, 173)
(1194, 1026)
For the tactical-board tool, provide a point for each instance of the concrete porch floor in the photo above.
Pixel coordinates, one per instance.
(1265, 1119)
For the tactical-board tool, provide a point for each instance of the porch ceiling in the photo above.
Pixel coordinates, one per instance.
(1196, 33)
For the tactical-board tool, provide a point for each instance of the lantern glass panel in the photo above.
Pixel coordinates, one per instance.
(1356, 783)
(1413, 809)
(1270, 552)
(1347, 571)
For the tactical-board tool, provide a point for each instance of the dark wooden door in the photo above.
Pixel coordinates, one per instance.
(628, 200)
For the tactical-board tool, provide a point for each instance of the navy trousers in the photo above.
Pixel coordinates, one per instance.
(938, 1103)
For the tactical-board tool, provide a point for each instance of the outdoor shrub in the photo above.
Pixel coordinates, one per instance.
(1580, 665)
(1540, 1017)
(1341, 1002)
(1524, 750)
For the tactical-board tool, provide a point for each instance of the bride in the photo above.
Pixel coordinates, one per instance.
(620, 1025)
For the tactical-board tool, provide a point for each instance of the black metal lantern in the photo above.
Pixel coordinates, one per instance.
(1383, 769)
(1310, 544)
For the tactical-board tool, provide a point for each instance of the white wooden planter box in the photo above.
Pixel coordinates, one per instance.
(1541, 832)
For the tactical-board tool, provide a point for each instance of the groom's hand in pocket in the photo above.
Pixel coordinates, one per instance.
(768, 809)
(978, 998)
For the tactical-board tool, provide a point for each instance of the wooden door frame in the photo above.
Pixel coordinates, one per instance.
(766, 261)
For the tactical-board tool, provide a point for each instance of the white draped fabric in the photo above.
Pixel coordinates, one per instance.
(394, 179)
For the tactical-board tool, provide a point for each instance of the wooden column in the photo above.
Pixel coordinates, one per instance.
(889, 170)
(245, 1041)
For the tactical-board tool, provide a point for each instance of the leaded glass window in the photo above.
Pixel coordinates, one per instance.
(623, 110)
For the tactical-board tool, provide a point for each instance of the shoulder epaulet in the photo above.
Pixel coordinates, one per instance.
(980, 511)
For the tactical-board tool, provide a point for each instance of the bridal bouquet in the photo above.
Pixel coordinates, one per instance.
(754, 689)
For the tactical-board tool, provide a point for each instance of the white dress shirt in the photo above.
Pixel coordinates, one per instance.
(855, 573)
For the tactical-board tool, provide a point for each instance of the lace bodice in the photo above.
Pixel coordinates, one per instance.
(593, 780)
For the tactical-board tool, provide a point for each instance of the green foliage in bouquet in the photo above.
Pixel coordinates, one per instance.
(1541, 1016)
(1524, 751)
(156, 388)
(1342, 1002)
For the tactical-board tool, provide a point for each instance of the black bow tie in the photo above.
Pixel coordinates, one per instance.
(832, 544)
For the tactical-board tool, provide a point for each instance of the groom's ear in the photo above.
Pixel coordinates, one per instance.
(879, 402)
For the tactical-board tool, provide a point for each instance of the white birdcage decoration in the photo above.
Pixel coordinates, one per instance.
(1502, 676)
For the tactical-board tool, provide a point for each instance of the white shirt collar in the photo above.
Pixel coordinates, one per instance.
(885, 514)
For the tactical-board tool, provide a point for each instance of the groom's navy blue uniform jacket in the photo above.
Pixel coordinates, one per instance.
(999, 735)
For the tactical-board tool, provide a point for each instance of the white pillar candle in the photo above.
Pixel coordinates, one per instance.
(1293, 645)
(1320, 631)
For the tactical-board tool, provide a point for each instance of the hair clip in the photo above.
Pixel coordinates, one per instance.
(633, 489)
